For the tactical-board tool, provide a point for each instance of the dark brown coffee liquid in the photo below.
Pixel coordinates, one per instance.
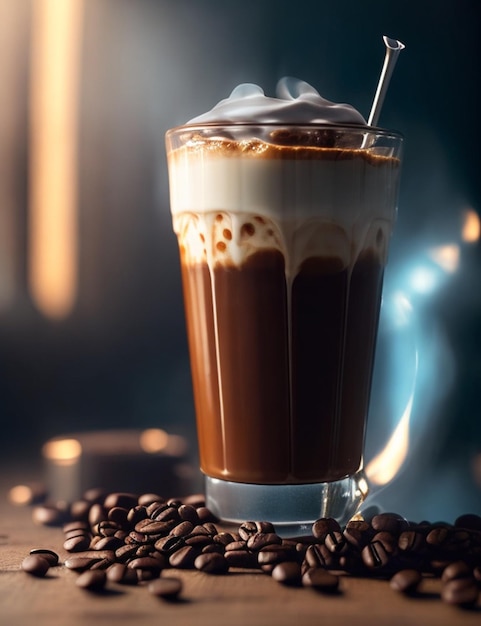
(282, 387)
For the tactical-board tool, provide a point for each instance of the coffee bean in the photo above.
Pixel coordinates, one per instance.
(124, 500)
(147, 498)
(388, 541)
(199, 530)
(105, 528)
(406, 580)
(49, 515)
(35, 565)
(125, 552)
(323, 526)
(49, 555)
(92, 580)
(80, 563)
(155, 527)
(287, 573)
(120, 573)
(224, 538)
(98, 513)
(188, 513)
(335, 542)
(71, 534)
(166, 587)
(241, 558)
(210, 528)
(356, 537)
(79, 543)
(265, 527)
(143, 550)
(460, 591)
(360, 526)
(321, 579)
(211, 563)
(169, 544)
(150, 567)
(182, 529)
(213, 547)
(108, 543)
(457, 569)
(198, 541)
(438, 536)
(272, 555)
(390, 522)
(155, 507)
(184, 557)
(317, 555)
(137, 538)
(247, 529)
(206, 515)
(118, 515)
(412, 541)
(236, 545)
(136, 514)
(374, 555)
(260, 540)
(469, 521)
(166, 514)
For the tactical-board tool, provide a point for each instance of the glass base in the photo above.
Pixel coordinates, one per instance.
(291, 508)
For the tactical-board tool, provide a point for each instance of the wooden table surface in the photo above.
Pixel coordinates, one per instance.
(236, 599)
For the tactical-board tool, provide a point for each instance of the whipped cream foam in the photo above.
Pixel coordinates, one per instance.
(297, 102)
(275, 174)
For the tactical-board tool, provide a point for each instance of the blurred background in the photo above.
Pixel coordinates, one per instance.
(91, 320)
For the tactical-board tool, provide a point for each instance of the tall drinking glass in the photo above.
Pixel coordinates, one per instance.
(283, 233)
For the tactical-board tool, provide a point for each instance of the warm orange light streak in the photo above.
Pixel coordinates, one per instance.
(55, 65)
(471, 230)
(386, 465)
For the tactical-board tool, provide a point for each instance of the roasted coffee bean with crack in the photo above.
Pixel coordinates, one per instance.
(323, 526)
(374, 555)
(260, 540)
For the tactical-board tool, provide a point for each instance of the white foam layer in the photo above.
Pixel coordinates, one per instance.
(226, 208)
(297, 102)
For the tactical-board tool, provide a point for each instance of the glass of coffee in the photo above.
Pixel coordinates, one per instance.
(283, 231)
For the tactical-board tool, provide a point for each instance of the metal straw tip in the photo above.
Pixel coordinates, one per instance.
(393, 44)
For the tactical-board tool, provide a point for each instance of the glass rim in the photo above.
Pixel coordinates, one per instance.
(358, 128)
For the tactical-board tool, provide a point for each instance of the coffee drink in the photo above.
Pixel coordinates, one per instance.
(283, 232)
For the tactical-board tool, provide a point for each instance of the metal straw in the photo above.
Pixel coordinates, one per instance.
(393, 48)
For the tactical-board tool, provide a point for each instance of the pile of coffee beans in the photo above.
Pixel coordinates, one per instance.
(127, 539)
